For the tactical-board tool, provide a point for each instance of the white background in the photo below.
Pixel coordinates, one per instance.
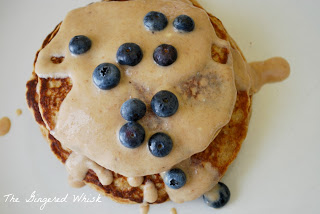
(278, 168)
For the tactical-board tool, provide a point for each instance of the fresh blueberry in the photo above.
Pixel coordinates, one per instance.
(79, 44)
(160, 144)
(184, 23)
(129, 54)
(155, 21)
(175, 178)
(131, 135)
(165, 55)
(164, 104)
(133, 109)
(218, 196)
(106, 76)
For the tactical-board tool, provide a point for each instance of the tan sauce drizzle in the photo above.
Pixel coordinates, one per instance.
(135, 181)
(150, 192)
(251, 77)
(5, 125)
(213, 194)
(200, 178)
(78, 165)
(75, 184)
(18, 112)
(272, 70)
(144, 208)
(173, 211)
(241, 75)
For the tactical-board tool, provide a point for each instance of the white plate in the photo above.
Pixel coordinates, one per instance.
(277, 170)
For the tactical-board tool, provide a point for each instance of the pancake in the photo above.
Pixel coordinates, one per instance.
(45, 96)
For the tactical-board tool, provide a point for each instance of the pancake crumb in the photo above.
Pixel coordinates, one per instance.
(18, 112)
(5, 125)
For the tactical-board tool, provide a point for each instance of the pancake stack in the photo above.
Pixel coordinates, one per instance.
(46, 95)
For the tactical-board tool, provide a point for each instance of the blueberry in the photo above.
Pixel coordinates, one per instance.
(129, 54)
(155, 21)
(133, 109)
(160, 144)
(175, 178)
(131, 135)
(165, 55)
(79, 44)
(218, 196)
(164, 104)
(184, 23)
(106, 76)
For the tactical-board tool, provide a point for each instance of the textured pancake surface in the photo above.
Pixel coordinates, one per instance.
(44, 97)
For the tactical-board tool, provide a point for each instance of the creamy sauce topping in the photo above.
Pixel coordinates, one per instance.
(89, 119)
(272, 70)
(144, 208)
(135, 181)
(150, 193)
(173, 211)
(5, 125)
(78, 165)
(18, 112)
(213, 194)
(251, 77)
(200, 178)
(74, 183)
